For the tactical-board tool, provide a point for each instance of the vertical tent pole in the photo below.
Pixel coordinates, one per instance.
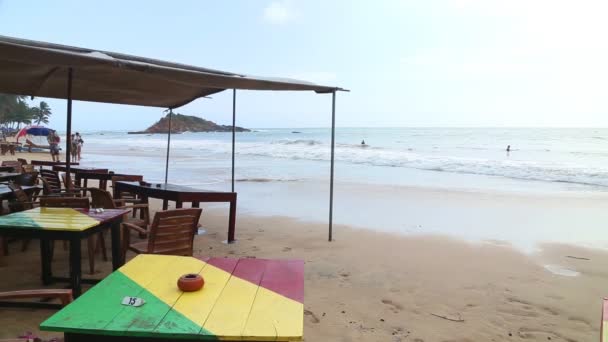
(168, 147)
(68, 140)
(331, 172)
(233, 132)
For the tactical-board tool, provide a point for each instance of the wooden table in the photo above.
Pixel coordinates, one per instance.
(49, 224)
(243, 299)
(102, 177)
(42, 163)
(181, 194)
(7, 169)
(7, 176)
(78, 168)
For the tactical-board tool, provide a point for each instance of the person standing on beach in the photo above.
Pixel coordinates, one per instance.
(79, 144)
(74, 148)
(508, 148)
(53, 140)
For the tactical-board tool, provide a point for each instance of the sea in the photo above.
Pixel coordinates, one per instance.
(286, 171)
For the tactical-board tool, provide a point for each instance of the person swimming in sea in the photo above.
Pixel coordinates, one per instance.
(363, 143)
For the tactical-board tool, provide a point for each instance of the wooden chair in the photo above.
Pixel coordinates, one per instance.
(21, 202)
(51, 185)
(125, 178)
(171, 232)
(51, 181)
(128, 197)
(22, 161)
(65, 202)
(64, 295)
(103, 199)
(77, 203)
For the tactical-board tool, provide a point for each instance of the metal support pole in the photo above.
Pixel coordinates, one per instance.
(168, 147)
(68, 140)
(331, 172)
(233, 132)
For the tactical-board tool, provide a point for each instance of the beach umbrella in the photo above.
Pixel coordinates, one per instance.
(36, 131)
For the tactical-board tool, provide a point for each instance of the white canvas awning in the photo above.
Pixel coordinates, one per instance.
(41, 69)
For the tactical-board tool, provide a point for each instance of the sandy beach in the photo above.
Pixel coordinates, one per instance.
(376, 286)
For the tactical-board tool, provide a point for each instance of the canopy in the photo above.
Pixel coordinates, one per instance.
(41, 69)
(51, 70)
(33, 130)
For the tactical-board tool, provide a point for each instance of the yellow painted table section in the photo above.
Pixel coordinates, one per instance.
(243, 299)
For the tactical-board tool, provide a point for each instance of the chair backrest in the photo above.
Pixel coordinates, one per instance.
(172, 231)
(101, 199)
(124, 178)
(22, 161)
(65, 202)
(23, 200)
(52, 178)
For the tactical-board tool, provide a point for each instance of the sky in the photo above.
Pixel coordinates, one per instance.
(446, 63)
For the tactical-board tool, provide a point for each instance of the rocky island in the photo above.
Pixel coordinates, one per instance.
(187, 123)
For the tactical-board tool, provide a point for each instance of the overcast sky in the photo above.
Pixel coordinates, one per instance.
(408, 63)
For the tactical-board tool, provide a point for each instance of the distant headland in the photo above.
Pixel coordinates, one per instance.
(187, 123)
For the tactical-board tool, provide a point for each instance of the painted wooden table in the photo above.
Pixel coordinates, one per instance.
(49, 224)
(243, 299)
(181, 194)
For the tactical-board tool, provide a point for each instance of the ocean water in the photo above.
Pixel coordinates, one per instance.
(279, 172)
(576, 158)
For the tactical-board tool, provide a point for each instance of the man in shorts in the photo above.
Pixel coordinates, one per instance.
(54, 140)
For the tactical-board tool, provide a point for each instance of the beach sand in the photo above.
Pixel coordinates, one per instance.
(370, 286)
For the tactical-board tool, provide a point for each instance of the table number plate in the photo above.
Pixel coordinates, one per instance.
(133, 301)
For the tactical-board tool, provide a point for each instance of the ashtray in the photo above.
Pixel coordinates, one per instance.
(190, 282)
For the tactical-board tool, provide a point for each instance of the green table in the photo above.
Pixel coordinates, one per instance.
(243, 299)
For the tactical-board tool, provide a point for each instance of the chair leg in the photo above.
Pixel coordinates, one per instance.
(91, 251)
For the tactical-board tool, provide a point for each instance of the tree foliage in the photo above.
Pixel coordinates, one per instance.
(16, 111)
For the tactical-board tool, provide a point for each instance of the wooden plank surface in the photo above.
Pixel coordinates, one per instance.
(243, 299)
(231, 310)
(64, 219)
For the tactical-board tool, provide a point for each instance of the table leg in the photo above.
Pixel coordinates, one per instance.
(165, 204)
(196, 204)
(178, 204)
(75, 267)
(232, 220)
(45, 259)
(116, 247)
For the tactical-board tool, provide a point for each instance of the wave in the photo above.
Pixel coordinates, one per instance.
(309, 142)
(264, 180)
(576, 170)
